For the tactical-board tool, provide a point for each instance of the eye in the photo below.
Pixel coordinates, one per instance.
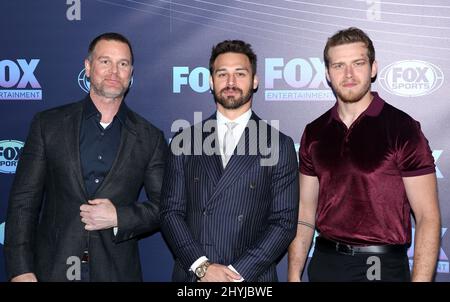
(124, 64)
(241, 74)
(337, 66)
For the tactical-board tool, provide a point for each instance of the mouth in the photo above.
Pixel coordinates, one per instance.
(230, 91)
(112, 82)
(349, 85)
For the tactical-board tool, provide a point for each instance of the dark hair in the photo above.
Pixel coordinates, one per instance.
(347, 36)
(236, 46)
(110, 37)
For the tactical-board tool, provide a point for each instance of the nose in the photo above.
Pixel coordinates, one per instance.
(114, 68)
(231, 80)
(349, 71)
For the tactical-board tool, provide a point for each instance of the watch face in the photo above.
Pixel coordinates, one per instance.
(200, 271)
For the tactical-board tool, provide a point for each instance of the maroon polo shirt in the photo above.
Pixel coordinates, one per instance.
(362, 199)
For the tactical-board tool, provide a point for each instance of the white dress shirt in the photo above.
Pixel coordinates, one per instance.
(241, 122)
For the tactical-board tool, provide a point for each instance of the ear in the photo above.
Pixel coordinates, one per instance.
(374, 69)
(211, 83)
(87, 67)
(327, 75)
(255, 82)
(131, 72)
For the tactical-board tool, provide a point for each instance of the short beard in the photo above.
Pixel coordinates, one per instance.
(353, 98)
(108, 95)
(231, 103)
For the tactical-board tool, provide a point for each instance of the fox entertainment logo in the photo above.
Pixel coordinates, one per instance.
(298, 79)
(18, 81)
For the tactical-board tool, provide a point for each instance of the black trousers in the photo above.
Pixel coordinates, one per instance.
(332, 266)
(85, 277)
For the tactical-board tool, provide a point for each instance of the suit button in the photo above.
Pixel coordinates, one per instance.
(205, 213)
(196, 179)
(252, 185)
(240, 218)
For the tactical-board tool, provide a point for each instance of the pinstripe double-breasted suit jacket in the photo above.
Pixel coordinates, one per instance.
(244, 215)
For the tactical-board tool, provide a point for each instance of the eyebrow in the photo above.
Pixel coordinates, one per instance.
(341, 62)
(108, 57)
(237, 69)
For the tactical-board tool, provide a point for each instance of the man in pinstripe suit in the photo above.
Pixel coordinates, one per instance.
(230, 194)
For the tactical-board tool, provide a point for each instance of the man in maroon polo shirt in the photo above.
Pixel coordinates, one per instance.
(364, 167)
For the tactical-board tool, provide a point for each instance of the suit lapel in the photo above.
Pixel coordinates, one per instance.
(212, 164)
(72, 122)
(243, 158)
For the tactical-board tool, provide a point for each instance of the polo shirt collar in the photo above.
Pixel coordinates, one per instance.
(374, 109)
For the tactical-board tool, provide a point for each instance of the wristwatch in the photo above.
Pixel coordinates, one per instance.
(200, 271)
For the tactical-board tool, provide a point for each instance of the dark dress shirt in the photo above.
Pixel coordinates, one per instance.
(98, 145)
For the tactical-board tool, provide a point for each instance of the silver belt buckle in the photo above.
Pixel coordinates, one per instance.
(85, 258)
(348, 249)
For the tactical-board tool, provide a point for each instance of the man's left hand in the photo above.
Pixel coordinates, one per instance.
(99, 214)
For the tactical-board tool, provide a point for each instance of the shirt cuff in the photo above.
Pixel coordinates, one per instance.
(198, 262)
(232, 268)
(115, 230)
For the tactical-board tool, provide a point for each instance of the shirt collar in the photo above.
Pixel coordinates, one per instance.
(90, 110)
(374, 109)
(241, 120)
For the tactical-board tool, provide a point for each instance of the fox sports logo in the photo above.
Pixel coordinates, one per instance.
(411, 78)
(10, 151)
(85, 84)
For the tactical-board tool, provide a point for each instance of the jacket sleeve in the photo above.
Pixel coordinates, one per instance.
(25, 201)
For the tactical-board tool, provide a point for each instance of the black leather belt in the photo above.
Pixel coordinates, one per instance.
(324, 244)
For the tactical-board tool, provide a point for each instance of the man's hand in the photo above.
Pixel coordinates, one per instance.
(219, 273)
(99, 214)
(28, 277)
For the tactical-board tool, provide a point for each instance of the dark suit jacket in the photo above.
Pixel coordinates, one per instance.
(245, 215)
(43, 225)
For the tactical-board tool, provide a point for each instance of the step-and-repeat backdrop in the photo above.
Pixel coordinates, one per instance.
(43, 45)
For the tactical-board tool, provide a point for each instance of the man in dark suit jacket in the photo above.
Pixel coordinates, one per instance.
(230, 191)
(73, 212)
